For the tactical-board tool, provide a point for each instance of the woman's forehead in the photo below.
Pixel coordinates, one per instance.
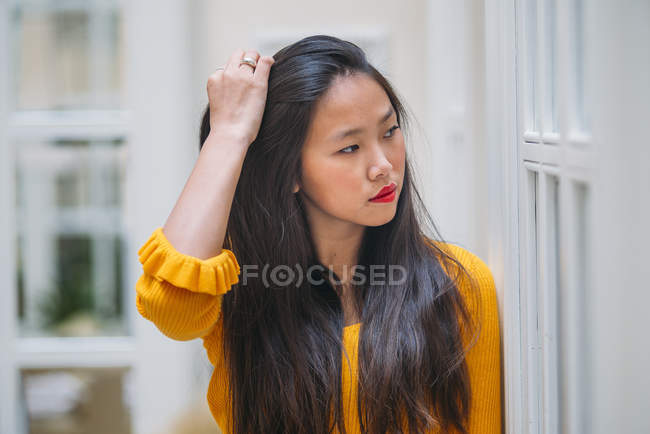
(354, 94)
(353, 102)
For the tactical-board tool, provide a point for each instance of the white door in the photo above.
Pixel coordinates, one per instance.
(567, 113)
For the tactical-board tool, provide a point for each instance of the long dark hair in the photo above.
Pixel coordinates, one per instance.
(283, 344)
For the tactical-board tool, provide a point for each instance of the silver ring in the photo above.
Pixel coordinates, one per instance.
(248, 61)
(221, 67)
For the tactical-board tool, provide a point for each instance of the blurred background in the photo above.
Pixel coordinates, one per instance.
(531, 150)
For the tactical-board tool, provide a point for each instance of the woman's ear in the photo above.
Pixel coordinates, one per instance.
(296, 185)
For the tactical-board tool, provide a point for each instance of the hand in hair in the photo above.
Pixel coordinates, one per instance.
(237, 96)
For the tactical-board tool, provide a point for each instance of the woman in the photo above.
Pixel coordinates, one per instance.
(295, 150)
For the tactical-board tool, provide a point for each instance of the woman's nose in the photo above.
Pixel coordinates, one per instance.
(380, 165)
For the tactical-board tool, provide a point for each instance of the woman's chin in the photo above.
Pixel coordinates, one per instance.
(379, 218)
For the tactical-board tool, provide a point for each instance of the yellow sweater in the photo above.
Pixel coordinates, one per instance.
(182, 294)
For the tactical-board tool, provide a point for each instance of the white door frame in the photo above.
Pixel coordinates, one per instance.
(503, 175)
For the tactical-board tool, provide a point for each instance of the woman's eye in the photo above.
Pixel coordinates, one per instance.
(391, 131)
(344, 150)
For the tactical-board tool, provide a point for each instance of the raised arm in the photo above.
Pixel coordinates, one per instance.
(197, 224)
(186, 271)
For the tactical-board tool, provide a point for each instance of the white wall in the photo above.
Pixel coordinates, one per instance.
(619, 59)
(161, 145)
(457, 178)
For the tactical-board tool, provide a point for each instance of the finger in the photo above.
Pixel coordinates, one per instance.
(233, 61)
(253, 55)
(263, 67)
(213, 79)
(217, 72)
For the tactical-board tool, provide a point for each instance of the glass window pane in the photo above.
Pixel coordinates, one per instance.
(533, 306)
(68, 55)
(550, 102)
(551, 300)
(77, 401)
(70, 250)
(581, 114)
(532, 116)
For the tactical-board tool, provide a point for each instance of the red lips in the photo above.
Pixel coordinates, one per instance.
(385, 190)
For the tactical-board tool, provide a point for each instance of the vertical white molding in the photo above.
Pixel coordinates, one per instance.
(550, 302)
(529, 284)
(502, 163)
(10, 420)
(162, 146)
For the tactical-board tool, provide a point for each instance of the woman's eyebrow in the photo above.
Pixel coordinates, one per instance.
(343, 134)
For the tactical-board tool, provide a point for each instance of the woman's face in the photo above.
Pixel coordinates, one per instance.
(342, 172)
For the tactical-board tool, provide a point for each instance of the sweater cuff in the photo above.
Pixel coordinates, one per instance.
(213, 276)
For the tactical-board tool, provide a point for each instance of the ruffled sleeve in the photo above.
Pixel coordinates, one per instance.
(179, 293)
(211, 276)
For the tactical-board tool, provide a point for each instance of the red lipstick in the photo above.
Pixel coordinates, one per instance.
(386, 194)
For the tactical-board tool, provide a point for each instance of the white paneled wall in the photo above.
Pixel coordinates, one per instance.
(567, 102)
(555, 160)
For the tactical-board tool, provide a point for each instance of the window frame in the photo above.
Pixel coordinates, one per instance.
(158, 396)
(552, 286)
